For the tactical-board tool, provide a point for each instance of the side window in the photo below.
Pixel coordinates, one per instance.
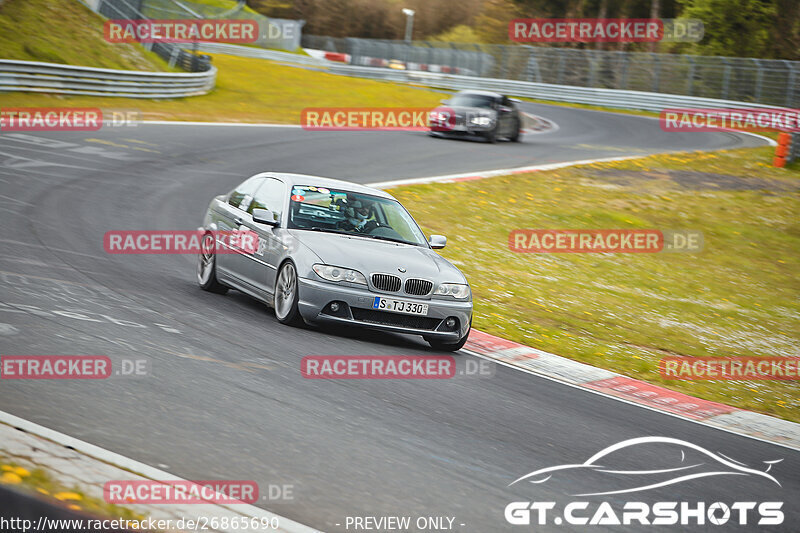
(241, 196)
(269, 196)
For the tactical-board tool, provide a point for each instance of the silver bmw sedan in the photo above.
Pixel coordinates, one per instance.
(326, 250)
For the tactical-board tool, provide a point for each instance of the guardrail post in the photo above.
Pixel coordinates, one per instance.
(532, 66)
(794, 148)
(726, 78)
(561, 63)
(503, 61)
(592, 71)
(623, 83)
(759, 80)
(791, 85)
(656, 72)
(173, 56)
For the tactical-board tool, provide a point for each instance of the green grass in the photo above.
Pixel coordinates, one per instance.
(623, 312)
(224, 4)
(67, 32)
(253, 90)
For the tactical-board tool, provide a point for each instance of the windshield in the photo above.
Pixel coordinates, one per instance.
(471, 100)
(336, 211)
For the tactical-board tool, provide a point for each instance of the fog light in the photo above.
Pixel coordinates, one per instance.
(334, 307)
(450, 322)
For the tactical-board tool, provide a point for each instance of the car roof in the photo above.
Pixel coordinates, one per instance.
(481, 93)
(318, 181)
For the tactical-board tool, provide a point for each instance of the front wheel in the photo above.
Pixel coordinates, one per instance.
(491, 135)
(207, 266)
(287, 295)
(515, 135)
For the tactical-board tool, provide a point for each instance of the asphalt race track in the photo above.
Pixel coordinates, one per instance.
(224, 398)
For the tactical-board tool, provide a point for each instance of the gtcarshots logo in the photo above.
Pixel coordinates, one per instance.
(609, 473)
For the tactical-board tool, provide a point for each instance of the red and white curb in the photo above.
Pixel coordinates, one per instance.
(633, 391)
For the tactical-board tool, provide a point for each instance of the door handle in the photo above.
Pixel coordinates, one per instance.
(239, 220)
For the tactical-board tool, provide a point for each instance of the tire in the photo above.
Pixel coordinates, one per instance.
(286, 296)
(491, 136)
(207, 266)
(449, 346)
(515, 136)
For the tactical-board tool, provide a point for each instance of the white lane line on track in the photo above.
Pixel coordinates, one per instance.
(243, 124)
(286, 525)
(501, 172)
(629, 402)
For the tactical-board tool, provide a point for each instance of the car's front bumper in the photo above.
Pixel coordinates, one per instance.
(462, 130)
(316, 297)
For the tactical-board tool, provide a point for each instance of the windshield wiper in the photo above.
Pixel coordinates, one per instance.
(327, 230)
(382, 238)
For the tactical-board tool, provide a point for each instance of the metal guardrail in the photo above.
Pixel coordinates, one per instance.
(616, 98)
(33, 76)
(763, 81)
(39, 77)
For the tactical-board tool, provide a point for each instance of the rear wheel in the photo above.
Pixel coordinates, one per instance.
(207, 266)
(515, 135)
(287, 295)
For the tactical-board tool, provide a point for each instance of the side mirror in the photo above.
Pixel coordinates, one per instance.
(504, 109)
(445, 101)
(437, 242)
(265, 216)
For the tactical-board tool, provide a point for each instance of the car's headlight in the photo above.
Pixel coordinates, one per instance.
(481, 121)
(334, 273)
(456, 290)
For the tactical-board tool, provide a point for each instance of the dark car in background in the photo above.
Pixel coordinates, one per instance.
(483, 114)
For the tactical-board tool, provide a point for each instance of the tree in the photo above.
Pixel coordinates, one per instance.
(741, 28)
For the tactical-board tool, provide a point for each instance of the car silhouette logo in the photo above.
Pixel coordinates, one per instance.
(608, 467)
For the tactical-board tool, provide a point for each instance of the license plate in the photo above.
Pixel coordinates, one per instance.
(399, 306)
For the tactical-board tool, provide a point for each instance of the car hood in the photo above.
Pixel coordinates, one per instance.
(473, 111)
(369, 256)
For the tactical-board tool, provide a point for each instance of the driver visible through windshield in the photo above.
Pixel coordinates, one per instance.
(346, 212)
(471, 100)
